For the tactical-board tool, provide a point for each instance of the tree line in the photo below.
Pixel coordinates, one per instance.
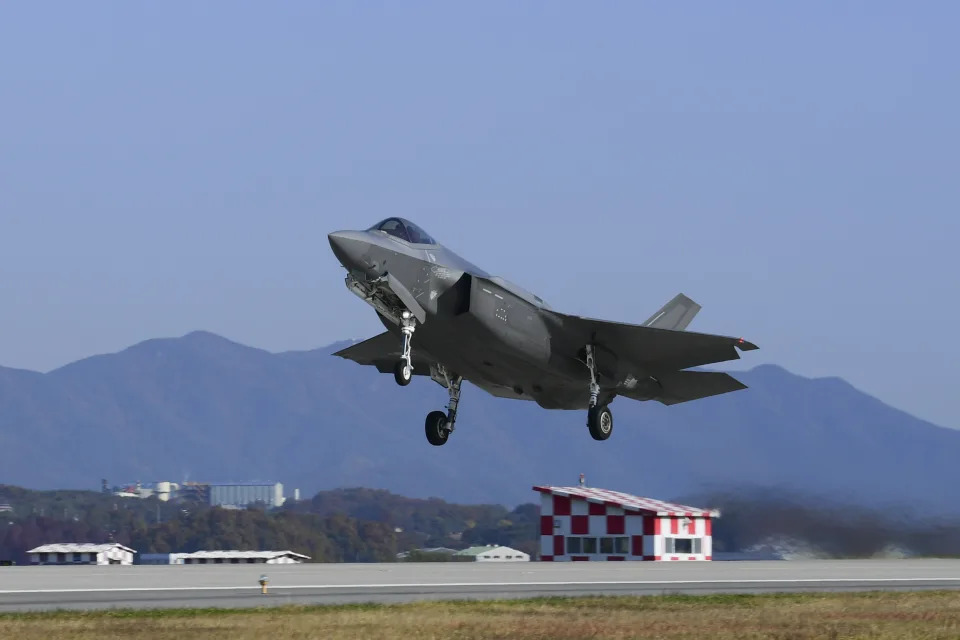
(367, 525)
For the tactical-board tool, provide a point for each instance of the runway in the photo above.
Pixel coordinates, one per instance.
(92, 587)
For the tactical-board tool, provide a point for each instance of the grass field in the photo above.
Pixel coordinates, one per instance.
(898, 616)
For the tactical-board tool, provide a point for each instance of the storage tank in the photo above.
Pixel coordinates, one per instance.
(163, 491)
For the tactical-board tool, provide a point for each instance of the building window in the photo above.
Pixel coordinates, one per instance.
(684, 545)
(573, 545)
(61, 557)
(589, 545)
(606, 545)
(622, 545)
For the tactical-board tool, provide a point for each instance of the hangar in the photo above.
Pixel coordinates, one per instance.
(238, 557)
(81, 553)
(585, 523)
(492, 553)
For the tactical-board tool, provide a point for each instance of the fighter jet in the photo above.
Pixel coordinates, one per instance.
(471, 325)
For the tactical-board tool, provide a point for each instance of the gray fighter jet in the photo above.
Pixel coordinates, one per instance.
(470, 325)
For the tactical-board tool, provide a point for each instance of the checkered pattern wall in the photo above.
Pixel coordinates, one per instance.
(584, 528)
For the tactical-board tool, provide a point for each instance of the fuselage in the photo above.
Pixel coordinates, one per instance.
(486, 329)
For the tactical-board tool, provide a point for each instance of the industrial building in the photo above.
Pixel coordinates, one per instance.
(492, 553)
(81, 553)
(246, 493)
(217, 494)
(584, 523)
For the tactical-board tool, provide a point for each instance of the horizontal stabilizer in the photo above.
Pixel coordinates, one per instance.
(675, 387)
(675, 315)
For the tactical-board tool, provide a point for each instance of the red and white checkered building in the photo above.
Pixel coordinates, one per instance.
(584, 523)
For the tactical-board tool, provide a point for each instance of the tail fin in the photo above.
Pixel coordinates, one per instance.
(675, 315)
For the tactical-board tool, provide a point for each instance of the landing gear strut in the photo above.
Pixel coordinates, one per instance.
(403, 371)
(440, 425)
(599, 418)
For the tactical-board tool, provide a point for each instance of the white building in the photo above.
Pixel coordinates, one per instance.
(242, 494)
(583, 523)
(238, 557)
(81, 553)
(492, 553)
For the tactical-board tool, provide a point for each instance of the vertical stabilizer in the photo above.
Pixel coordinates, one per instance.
(675, 315)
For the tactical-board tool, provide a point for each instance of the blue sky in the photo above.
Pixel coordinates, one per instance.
(792, 167)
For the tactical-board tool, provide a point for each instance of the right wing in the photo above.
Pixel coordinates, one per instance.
(675, 315)
(383, 352)
(656, 349)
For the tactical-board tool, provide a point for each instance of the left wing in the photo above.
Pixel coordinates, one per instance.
(656, 349)
(383, 352)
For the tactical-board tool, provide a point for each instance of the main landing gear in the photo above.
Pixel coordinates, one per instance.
(599, 418)
(403, 371)
(440, 425)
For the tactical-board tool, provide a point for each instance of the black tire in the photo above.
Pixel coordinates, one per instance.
(436, 428)
(600, 421)
(402, 373)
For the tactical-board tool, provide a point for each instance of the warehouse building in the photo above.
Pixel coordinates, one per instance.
(492, 553)
(584, 523)
(238, 557)
(81, 553)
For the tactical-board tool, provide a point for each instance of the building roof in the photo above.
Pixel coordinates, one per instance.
(242, 484)
(475, 551)
(79, 547)
(239, 554)
(628, 502)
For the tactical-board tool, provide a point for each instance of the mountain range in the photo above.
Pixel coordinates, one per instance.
(201, 407)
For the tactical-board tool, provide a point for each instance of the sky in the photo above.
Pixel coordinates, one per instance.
(793, 167)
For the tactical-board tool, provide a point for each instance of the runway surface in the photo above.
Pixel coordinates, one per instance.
(92, 587)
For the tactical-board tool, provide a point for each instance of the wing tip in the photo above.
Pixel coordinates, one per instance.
(743, 345)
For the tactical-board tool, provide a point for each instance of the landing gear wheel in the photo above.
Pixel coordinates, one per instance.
(436, 428)
(402, 373)
(600, 421)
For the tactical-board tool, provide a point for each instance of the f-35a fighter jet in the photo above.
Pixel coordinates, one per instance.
(470, 325)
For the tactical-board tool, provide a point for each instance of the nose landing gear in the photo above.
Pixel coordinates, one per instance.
(403, 371)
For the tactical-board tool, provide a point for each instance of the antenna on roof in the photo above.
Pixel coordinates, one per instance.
(583, 480)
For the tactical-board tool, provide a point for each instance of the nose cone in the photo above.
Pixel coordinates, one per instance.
(351, 249)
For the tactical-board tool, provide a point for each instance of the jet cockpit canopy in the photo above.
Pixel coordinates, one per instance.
(403, 229)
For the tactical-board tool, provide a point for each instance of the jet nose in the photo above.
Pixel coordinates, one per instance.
(350, 249)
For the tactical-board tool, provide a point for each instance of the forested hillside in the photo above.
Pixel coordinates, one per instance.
(356, 525)
(203, 407)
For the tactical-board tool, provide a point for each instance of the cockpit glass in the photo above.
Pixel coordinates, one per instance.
(394, 227)
(418, 235)
(405, 230)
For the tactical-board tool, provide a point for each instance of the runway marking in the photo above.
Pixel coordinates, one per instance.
(489, 584)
